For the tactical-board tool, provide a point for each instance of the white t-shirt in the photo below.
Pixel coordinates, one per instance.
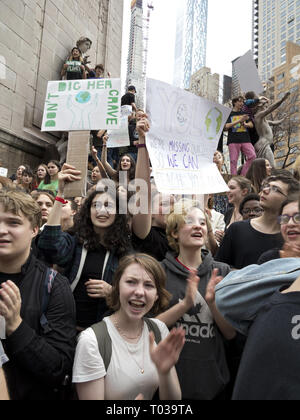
(123, 380)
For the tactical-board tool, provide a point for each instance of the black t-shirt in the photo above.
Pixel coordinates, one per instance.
(127, 99)
(15, 278)
(155, 244)
(238, 133)
(273, 254)
(269, 369)
(86, 307)
(74, 71)
(243, 245)
(254, 137)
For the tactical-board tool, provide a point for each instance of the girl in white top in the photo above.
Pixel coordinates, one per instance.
(138, 366)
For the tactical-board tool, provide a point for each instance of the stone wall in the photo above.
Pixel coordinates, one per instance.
(36, 37)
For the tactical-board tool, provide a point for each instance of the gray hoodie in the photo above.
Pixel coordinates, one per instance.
(202, 367)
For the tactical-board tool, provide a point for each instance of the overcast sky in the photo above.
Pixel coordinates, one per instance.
(229, 36)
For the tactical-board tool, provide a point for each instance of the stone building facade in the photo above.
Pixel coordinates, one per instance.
(205, 84)
(36, 37)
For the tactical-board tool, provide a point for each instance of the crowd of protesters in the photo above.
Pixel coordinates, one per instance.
(184, 301)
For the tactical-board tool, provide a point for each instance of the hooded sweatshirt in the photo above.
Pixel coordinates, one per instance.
(202, 367)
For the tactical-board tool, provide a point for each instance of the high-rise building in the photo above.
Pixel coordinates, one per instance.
(138, 48)
(274, 23)
(205, 84)
(227, 89)
(135, 59)
(236, 88)
(191, 40)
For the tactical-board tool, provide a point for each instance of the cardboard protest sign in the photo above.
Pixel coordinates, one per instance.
(184, 134)
(120, 137)
(78, 150)
(79, 105)
(3, 172)
(247, 74)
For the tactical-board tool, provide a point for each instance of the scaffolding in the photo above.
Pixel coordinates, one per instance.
(138, 48)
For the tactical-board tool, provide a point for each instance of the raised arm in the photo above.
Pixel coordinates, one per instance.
(272, 108)
(109, 170)
(99, 163)
(67, 174)
(278, 122)
(141, 223)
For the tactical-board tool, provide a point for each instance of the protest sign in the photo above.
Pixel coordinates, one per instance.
(247, 74)
(3, 172)
(184, 134)
(77, 155)
(79, 105)
(120, 137)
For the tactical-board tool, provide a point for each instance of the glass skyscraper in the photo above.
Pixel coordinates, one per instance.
(274, 23)
(191, 40)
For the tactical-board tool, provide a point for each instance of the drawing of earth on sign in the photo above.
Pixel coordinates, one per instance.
(213, 123)
(182, 114)
(83, 97)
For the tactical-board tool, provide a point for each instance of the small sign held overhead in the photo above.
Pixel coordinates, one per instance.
(247, 74)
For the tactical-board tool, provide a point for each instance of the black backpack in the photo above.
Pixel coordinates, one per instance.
(104, 340)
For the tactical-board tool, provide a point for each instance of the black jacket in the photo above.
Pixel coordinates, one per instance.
(39, 362)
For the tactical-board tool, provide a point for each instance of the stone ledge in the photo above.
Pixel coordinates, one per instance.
(21, 144)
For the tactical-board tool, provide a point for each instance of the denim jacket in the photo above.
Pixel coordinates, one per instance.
(242, 294)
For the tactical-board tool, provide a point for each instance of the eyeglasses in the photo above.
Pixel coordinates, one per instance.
(256, 210)
(285, 219)
(268, 188)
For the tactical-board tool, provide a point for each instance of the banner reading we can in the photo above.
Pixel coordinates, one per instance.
(82, 105)
(184, 135)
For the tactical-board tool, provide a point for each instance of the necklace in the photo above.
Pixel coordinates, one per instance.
(141, 369)
(115, 322)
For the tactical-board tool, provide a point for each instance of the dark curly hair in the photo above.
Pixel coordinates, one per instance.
(117, 237)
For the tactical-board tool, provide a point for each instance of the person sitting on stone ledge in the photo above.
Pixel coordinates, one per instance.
(98, 73)
(74, 68)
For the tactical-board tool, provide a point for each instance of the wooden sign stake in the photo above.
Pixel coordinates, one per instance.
(77, 155)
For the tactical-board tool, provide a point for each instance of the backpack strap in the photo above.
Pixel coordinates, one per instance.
(105, 343)
(152, 326)
(48, 284)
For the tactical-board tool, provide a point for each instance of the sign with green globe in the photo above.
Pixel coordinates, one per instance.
(82, 105)
(213, 123)
(83, 97)
(183, 137)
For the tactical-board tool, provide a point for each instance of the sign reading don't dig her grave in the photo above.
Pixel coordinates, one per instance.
(184, 134)
(82, 105)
